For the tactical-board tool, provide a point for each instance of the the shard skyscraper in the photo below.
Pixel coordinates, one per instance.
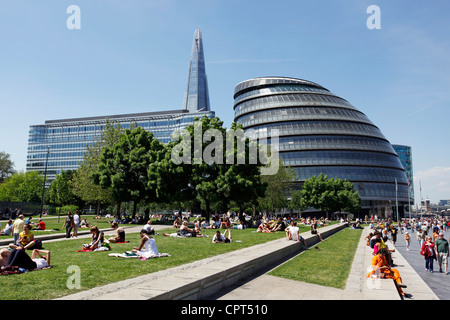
(196, 96)
(60, 144)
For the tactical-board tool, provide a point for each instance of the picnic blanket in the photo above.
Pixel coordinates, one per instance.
(15, 270)
(129, 254)
(95, 250)
(104, 247)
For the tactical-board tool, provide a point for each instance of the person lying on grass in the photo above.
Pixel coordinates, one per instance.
(222, 238)
(19, 258)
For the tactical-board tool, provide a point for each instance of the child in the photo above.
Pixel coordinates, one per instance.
(407, 239)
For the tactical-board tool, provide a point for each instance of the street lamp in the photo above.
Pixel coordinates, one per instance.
(43, 186)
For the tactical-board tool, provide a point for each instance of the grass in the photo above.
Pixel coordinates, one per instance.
(98, 269)
(329, 266)
(52, 225)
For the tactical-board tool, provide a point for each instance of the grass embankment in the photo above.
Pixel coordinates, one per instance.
(327, 264)
(97, 268)
(54, 225)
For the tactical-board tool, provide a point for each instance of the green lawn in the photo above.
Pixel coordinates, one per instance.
(52, 224)
(329, 266)
(98, 269)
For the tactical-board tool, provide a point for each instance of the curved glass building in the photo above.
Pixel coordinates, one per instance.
(320, 132)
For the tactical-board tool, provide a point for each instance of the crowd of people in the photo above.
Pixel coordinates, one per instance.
(429, 234)
(24, 239)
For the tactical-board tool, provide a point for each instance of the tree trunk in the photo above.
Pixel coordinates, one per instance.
(118, 209)
(135, 203)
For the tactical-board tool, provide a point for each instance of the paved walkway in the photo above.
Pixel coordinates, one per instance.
(438, 282)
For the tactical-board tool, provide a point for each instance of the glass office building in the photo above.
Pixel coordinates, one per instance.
(59, 145)
(196, 96)
(405, 155)
(320, 132)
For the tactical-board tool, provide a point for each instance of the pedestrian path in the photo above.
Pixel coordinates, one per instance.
(436, 281)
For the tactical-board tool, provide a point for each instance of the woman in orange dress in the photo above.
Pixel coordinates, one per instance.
(379, 262)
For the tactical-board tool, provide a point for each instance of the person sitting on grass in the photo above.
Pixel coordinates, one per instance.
(264, 227)
(225, 223)
(84, 223)
(148, 227)
(184, 231)
(380, 263)
(222, 238)
(6, 231)
(26, 239)
(205, 225)
(19, 258)
(278, 225)
(147, 247)
(97, 239)
(176, 223)
(120, 233)
(40, 225)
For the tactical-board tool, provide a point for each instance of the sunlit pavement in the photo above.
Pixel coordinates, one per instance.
(437, 281)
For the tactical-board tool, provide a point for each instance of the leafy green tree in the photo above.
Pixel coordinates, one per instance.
(6, 166)
(297, 202)
(241, 183)
(124, 167)
(61, 190)
(22, 186)
(198, 165)
(278, 189)
(83, 183)
(330, 195)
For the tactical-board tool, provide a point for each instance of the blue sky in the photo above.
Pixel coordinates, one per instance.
(132, 56)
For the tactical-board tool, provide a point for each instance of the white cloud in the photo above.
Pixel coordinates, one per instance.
(435, 183)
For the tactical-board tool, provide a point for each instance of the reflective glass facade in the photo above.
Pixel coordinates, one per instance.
(405, 155)
(320, 132)
(196, 96)
(63, 142)
(67, 139)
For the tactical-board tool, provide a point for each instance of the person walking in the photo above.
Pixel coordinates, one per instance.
(420, 237)
(441, 246)
(76, 224)
(394, 235)
(68, 224)
(407, 239)
(428, 252)
(17, 229)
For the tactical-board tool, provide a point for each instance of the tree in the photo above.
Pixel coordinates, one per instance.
(124, 167)
(297, 202)
(330, 195)
(278, 189)
(61, 190)
(198, 165)
(83, 184)
(241, 183)
(6, 166)
(22, 187)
